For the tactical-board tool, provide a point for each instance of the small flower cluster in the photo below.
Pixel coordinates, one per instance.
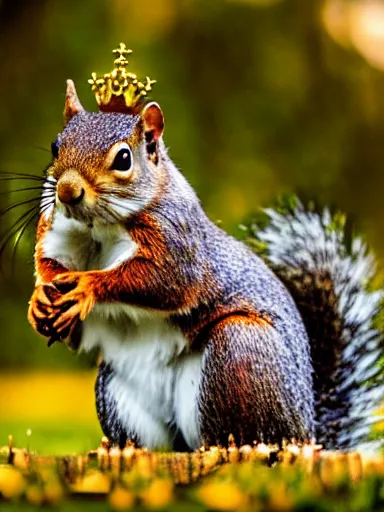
(248, 478)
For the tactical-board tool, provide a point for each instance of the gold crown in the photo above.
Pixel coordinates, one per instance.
(119, 90)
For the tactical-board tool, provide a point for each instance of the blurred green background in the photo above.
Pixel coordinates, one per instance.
(261, 97)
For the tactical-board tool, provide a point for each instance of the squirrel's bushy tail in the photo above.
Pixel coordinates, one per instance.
(329, 275)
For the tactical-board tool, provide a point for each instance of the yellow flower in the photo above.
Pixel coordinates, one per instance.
(34, 494)
(94, 481)
(279, 498)
(158, 494)
(54, 492)
(222, 496)
(121, 499)
(12, 483)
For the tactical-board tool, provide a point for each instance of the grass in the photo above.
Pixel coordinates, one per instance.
(53, 437)
(58, 409)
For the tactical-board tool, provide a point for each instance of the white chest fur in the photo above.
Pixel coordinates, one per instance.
(155, 382)
(78, 247)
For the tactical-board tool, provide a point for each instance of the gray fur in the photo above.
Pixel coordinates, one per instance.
(308, 251)
(257, 375)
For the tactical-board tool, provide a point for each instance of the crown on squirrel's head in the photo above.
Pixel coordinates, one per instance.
(120, 90)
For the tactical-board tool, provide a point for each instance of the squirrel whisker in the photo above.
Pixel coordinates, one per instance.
(117, 200)
(18, 225)
(41, 148)
(20, 190)
(50, 195)
(5, 176)
(104, 205)
(16, 205)
(109, 203)
(19, 235)
(117, 193)
(48, 203)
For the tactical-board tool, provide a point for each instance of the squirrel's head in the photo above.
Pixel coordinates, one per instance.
(106, 165)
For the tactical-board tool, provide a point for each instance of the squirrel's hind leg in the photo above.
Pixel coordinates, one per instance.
(124, 414)
(106, 408)
(251, 386)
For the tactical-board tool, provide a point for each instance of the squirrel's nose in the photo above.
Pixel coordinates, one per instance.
(70, 195)
(70, 188)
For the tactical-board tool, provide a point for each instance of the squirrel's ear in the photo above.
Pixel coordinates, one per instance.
(72, 102)
(153, 122)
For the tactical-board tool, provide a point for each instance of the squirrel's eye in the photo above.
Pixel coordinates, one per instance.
(123, 160)
(55, 149)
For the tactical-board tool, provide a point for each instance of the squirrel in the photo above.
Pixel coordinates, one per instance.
(200, 337)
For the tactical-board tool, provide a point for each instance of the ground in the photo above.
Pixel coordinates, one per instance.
(54, 414)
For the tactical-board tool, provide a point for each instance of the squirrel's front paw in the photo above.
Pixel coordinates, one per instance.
(41, 308)
(75, 300)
